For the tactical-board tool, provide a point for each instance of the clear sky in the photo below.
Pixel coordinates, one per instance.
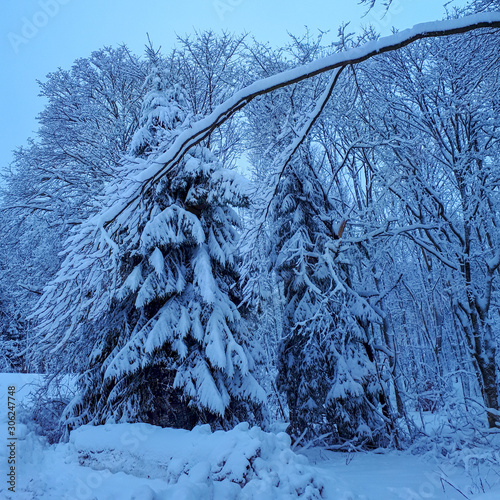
(38, 36)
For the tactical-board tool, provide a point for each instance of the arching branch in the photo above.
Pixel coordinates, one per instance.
(154, 171)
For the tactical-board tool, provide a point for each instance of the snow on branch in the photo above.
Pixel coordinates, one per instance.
(158, 168)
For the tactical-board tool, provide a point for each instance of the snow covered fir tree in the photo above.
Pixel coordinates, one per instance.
(303, 238)
(170, 347)
(324, 368)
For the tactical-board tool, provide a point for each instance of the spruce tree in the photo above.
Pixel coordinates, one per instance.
(324, 366)
(171, 347)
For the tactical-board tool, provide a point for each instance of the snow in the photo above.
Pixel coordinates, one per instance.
(155, 169)
(391, 476)
(238, 462)
(145, 462)
(132, 282)
(171, 226)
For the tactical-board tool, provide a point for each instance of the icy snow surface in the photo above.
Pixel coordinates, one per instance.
(144, 462)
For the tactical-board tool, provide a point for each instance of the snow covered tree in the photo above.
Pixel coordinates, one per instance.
(324, 367)
(170, 348)
(450, 187)
(12, 338)
(163, 108)
(85, 128)
(210, 67)
(482, 5)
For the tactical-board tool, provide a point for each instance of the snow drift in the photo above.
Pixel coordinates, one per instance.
(243, 463)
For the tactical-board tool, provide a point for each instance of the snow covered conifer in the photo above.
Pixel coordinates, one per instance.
(324, 367)
(163, 109)
(171, 347)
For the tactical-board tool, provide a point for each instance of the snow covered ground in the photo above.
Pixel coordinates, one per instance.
(143, 462)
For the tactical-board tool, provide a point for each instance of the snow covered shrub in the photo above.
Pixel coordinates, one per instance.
(45, 404)
(458, 436)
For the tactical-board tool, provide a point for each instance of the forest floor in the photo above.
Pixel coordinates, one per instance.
(143, 462)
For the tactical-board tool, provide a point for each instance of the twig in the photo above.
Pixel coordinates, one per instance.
(453, 486)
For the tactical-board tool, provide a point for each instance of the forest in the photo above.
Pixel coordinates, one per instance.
(230, 232)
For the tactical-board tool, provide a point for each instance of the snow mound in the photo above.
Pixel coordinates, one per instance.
(244, 463)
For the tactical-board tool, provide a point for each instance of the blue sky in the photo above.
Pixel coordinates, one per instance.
(38, 36)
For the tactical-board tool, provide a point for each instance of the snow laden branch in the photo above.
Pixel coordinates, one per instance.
(285, 158)
(154, 170)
